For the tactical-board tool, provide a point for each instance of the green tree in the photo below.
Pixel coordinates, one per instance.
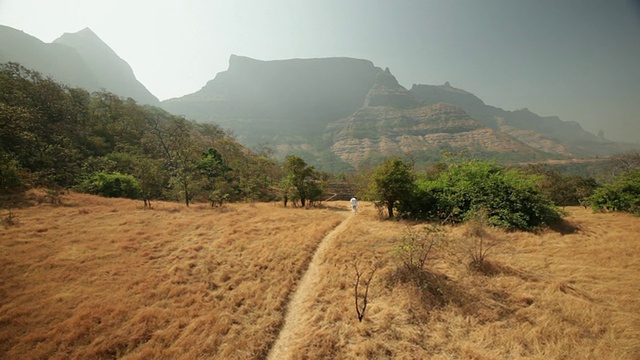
(10, 178)
(152, 178)
(173, 140)
(300, 177)
(112, 185)
(392, 182)
(214, 170)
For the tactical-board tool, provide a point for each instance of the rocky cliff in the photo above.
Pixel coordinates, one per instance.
(549, 134)
(283, 99)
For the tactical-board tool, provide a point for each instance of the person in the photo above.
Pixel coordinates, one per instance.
(354, 204)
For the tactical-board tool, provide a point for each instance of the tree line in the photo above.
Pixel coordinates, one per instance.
(526, 198)
(59, 137)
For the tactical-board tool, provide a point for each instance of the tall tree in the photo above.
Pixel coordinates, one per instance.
(392, 182)
(213, 169)
(300, 176)
(173, 139)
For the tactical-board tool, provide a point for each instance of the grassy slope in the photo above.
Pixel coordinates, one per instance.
(102, 278)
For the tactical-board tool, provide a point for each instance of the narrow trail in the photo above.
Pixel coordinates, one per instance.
(280, 348)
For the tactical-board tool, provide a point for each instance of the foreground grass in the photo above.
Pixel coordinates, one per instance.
(570, 293)
(103, 278)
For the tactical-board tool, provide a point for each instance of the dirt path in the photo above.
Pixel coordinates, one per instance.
(291, 325)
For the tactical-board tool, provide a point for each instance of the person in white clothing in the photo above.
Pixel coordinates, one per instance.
(354, 204)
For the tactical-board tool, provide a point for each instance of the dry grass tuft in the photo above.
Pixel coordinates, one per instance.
(104, 278)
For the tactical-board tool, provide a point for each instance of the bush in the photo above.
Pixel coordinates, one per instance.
(510, 198)
(112, 184)
(10, 177)
(417, 252)
(623, 194)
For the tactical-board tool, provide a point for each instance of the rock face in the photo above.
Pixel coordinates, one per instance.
(81, 60)
(375, 132)
(548, 134)
(279, 101)
(342, 113)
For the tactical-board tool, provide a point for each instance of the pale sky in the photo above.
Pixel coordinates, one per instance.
(577, 59)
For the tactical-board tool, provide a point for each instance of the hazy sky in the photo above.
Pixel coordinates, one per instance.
(578, 59)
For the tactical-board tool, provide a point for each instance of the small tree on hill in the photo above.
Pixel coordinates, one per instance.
(392, 182)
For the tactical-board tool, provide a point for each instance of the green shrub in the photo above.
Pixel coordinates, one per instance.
(10, 177)
(623, 194)
(510, 198)
(112, 184)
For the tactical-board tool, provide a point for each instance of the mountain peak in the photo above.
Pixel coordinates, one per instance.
(86, 33)
(104, 63)
(86, 30)
(85, 36)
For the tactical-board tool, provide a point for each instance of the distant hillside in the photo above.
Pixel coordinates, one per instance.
(279, 101)
(57, 60)
(342, 113)
(549, 134)
(80, 59)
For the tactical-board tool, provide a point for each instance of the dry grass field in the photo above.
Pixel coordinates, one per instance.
(99, 278)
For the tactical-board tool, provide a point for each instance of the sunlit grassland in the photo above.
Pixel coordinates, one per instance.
(104, 278)
(568, 293)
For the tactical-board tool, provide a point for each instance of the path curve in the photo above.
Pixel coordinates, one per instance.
(280, 348)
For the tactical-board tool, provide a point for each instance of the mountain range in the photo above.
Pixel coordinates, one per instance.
(344, 113)
(339, 114)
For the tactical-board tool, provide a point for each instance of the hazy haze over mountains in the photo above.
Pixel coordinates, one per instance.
(573, 59)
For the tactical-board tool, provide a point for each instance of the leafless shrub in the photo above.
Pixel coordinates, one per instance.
(9, 219)
(362, 298)
(417, 248)
(53, 196)
(479, 243)
(416, 251)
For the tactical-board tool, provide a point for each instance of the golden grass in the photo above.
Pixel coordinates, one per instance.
(103, 278)
(551, 296)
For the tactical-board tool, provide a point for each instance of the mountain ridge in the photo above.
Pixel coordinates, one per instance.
(371, 123)
(79, 59)
(299, 106)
